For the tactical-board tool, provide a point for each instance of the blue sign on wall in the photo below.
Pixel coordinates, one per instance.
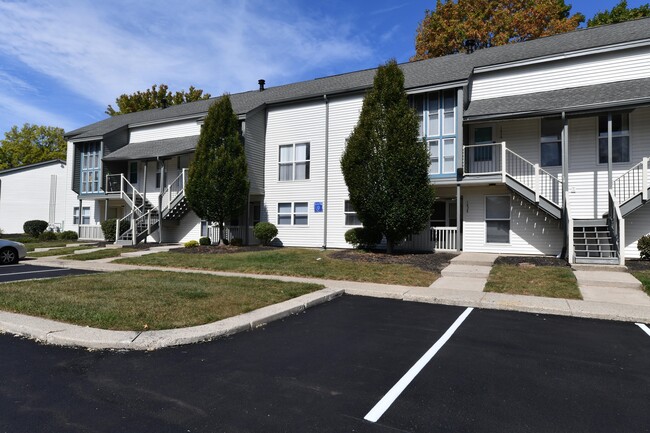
(318, 206)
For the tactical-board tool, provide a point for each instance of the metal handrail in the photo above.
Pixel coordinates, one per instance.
(174, 189)
(632, 182)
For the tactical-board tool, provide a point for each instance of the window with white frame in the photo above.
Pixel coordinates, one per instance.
(551, 142)
(620, 137)
(85, 215)
(497, 219)
(294, 162)
(293, 214)
(90, 154)
(437, 117)
(351, 218)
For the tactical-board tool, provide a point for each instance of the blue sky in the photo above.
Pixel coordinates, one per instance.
(62, 62)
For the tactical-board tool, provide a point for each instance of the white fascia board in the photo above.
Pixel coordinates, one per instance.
(79, 140)
(167, 120)
(433, 88)
(567, 55)
(201, 121)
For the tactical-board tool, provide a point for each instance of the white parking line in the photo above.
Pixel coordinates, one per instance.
(35, 272)
(383, 404)
(644, 328)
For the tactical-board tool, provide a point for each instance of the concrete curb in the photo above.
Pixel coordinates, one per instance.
(63, 334)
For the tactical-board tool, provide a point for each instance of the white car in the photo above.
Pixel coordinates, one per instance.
(11, 252)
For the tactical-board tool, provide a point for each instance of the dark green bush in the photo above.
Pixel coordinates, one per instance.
(205, 241)
(68, 235)
(236, 242)
(47, 236)
(108, 227)
(34, 227)
(363, 238)
(191, 244)
(643, 245)
(265, 232)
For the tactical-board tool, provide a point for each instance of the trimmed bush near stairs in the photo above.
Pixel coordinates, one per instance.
(643, 246)
(108, 227)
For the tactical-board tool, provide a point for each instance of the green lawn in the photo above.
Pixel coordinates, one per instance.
(59, 251)
(101, 254)
(644, 277)
(292, 262)
(547, 281)
(138, 300)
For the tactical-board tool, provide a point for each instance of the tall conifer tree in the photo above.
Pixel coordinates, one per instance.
(386, 164)
(217, 189)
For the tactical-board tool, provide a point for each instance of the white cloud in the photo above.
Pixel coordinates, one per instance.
(15, 111)
(101, 50)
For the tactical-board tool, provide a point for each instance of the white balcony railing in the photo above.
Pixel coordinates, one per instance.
(433, 239)
(632, 182)
(88, 232)
(175, 188)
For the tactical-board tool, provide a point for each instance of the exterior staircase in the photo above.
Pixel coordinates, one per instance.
(174, 203)
(594, 243)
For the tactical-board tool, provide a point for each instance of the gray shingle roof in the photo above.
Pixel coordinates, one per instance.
(152, 149)
(584, 98)
(446, 69)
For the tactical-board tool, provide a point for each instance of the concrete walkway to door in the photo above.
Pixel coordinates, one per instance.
(468, 270)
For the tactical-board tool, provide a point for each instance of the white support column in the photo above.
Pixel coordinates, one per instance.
(644, 180)
(503, 161)
(621, 242)
(536, 183)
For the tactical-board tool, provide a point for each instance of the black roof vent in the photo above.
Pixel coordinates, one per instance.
(261, 83)
(164, 102)
(470, 45)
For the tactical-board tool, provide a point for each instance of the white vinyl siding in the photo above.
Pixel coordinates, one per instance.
(297, 123)
(589, 70)
(254, 147)
(532, 231)
(184, 128)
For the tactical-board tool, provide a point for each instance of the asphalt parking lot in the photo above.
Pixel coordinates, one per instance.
(327, 368)
(26, 271)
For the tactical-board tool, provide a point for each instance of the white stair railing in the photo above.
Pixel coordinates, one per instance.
(174, 189)
(616, 223)
(632, 182)
(538, 180)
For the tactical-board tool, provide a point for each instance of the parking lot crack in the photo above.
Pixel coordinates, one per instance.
(136, 337)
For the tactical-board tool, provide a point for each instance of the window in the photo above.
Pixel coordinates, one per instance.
(204, 228)
(449, 113)
(85, 215)
(551, 142)
(434, 117)
(448, 152)
(620, 138)
(90, 167)
(293, 213)
(417, 103)
(294, 162)
(434, 156)
(133, 172)
(497, 219)
(159, 177)
(351, 218)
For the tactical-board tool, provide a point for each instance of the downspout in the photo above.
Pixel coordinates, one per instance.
(568, 226)
(327, 138)
(161, 189)
(144, 197)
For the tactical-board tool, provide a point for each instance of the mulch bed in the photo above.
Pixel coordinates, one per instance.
(220, 249)
(431, 262)
(638, 265)
(524, 261)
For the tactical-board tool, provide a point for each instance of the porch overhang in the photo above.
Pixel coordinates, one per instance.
(577, 100)
(148, 150)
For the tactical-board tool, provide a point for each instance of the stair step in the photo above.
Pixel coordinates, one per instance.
(597, 260)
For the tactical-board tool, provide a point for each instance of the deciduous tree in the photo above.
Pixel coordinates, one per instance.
(31, 144)
(489, 23)
(619, 14)
(156, 97)
(217, 189)
(385, 163)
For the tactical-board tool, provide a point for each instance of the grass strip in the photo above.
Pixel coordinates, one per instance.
(101, 254)
(59, 251)
(292, 262)
(546, 281)
(137, 300)
(644, 277)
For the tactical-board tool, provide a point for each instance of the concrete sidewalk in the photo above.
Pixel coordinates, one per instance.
(458, 290)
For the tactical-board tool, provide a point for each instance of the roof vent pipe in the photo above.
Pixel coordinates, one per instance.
(261, 83)
(470, 45)
(164, 102)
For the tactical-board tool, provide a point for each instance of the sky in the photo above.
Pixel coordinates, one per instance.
(62, 62)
